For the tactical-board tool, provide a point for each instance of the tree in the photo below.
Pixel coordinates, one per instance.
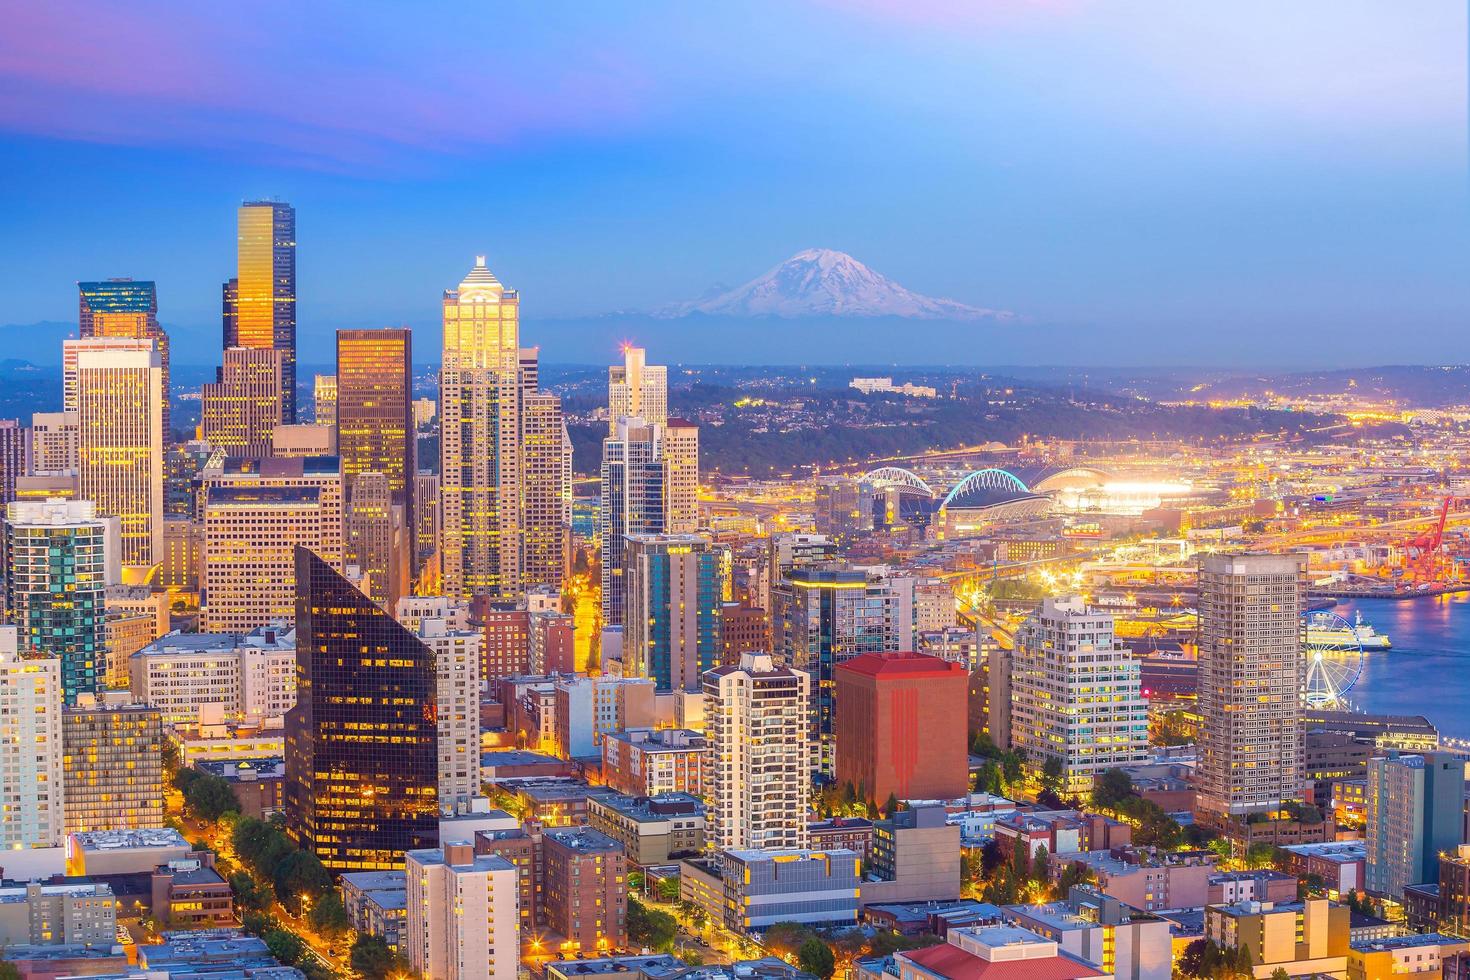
(988, 779)
(786, 938)
(1280, 974)
(1041, 866)
(1244, 963)
(285, 946)
(209, 797)
(668, 889)
(374, 959)
(650, 927)
(1260, 855)
(9, 971)
(249, 896)
(1010, 767)
(815, 957)
(1111, 789)
(299, 875)
(1052, 774)
(1020, 860)
(1192, 960)
(329, 916)
(182, 779)
(690, 957)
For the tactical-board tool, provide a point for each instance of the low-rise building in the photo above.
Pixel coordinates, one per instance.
(191, 894)
(585, 888)
(1340, 864)
(1147, 879)
(118, 852)
(1419, 956)
(555, 802)
(256, 783)
(376, 903)
(651, 762)
(1302, 938)
(995, 953)
(763, 887)
(916, 856)
(849, 833)
(1126, 942)
(652, 830)
(68, 914)
(202, 678)
(1262, 885)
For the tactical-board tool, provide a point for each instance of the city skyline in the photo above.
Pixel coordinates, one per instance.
(1188, 170)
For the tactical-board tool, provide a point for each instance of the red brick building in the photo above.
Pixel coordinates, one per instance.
(585, 888)
(746, 629)
(506, 651)
(901, 726)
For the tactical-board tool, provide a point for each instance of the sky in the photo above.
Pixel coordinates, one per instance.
(1171, 181)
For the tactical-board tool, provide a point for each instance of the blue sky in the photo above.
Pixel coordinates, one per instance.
(1159, 178)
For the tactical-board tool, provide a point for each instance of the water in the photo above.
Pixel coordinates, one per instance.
(1428, 670)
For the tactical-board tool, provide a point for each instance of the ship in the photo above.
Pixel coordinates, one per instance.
(1326, 628)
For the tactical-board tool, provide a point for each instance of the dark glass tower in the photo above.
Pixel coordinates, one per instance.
(124, 308)
(362, 771)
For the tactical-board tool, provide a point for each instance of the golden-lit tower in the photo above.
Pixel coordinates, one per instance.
(125, 308)
(239, 412)
(374, 412)
(479, 442)
(119, 398)
(264, 313)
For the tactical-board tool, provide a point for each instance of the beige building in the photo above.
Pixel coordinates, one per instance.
(120, 439)
(462, 921)
(54, 442)
(71, 914)
(1251, 673)
(681, 476)
(31, 810)
(136, 616)
(240, 412)
(197, 679)
(457, 653)
(1303, 938)
(377, 543)
(324, 399)
(759, 723)
(112, 764)
(637, 388)
(302, 439)
(547, 516)
(652, 830)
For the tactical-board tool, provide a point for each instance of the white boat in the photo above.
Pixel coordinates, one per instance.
(1324, 628)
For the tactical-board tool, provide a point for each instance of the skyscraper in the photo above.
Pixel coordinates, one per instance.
(672, 593)
(229, 314)
(636, 389)
(120, 438)
(547, 502)
(1251, 673)
(265, 291)
(56, 577)
(1076, 695)
(128, 309)
(760, 742)
(362, 772)
(15, 456)
(681, 476)
(374, 411)
(30, 747)
(324, 399)
(112, 764)
(457, 700)
(54, 442)
(377, 541)
(632, 490)
(240, 411)
(479, 438)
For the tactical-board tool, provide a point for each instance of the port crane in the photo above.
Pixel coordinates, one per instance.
(1425, 561)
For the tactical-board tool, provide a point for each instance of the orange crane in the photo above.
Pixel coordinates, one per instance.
(1424, 557)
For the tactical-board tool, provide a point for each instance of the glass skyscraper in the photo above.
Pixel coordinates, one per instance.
(264, 312)
(362, 770)
(126, 308)
(673, 584)
(375, 431)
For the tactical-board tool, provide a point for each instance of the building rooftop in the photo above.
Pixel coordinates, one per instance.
(432, 856)
(16, 891)
(654, 809)
(244, 770)
(371, 881)
(894, 666)
(1407, 942)
(954, 963)
(114, 840)
(583, 840)
(517, 757)
(1344, 851)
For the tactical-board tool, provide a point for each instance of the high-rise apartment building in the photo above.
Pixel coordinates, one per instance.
(681, 476)
(632, 503)
(59, 560)
(239, 413)
(584, 882)
(824, 615)
(547, 505)
(54, 442)
(324, 399)
(1076, 695)
(120, 439)
(15, 457)
(784, 553)
(672, 623)
(1251, 673)
(480, 469)
(637, 389)
(1415, 814)
(374, 411)
(229, 313)
(125, 308)
(457, 704)
(30, 748)
(264, 301)
(462, 922)
(900, 727)
(112, 764)
(376, 542)
(759, 722)
(362, 768)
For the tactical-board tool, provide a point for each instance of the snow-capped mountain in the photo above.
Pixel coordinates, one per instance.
(821, 282)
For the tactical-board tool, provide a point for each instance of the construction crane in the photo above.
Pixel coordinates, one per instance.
(1424, 559)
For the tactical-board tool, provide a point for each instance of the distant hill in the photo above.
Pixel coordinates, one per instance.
(1419, 386)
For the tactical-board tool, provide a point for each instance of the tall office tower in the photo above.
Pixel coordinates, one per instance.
(120, 441)
(479, 438)
(462, 920)
(265, 292)
(786, 552)
(374, 412)
(632, 503)
(1251, 673)
(425, 516)
(230, 314)
(182, 465)
(324, 399)
(1076, 696)
(112, 764)
(585, 888)
(1415, 814)
(843, 506)
(681, 476)
(30, 747)
(15, 456)
(256, 511)
(636, 389)
(457, 700)
(672, 628)
(57, 571)
(128, 309)
(362, 770)
(760, 743)
(901, 720)
(823, 615)
(546, 542)
(240, 412)
(53, 442)
(376, 537)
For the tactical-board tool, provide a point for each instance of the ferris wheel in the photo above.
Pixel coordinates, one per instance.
(1334, 656)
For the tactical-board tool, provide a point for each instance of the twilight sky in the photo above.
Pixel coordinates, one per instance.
(1179, 181)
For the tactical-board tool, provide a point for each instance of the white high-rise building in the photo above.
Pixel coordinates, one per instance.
(759, 723)
(638, 389)
(457, 653)
(681, 476)
(118, 387)
(202, 678)
(31, 805)
(1076, 696)
(463, 921)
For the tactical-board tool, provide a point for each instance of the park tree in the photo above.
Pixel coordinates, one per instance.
(328, 916)
(300, 875)
(815, 957)
(373, 959)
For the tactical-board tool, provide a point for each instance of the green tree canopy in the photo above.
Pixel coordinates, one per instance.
(650, 927)
(815, 957)
(374, 959)
(328, 916)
